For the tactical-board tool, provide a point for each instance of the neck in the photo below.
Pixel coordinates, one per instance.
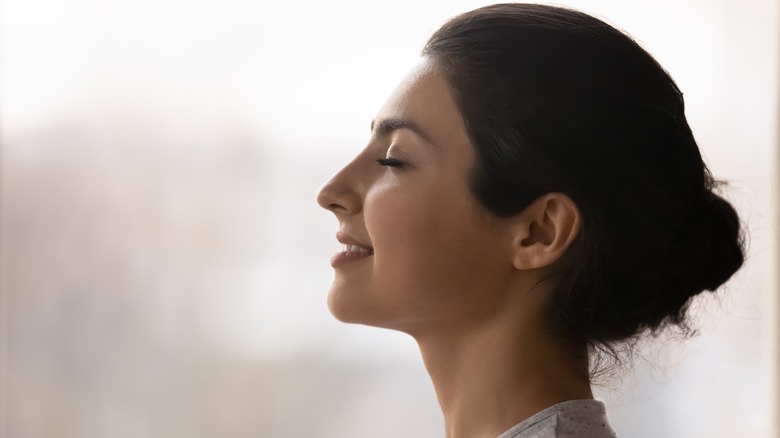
(487, 381)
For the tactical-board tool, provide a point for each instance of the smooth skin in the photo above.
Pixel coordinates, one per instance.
(470, 287)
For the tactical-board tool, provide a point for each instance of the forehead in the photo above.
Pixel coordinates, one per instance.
(424, 97)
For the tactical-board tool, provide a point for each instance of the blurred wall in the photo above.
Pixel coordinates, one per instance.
(164, 264)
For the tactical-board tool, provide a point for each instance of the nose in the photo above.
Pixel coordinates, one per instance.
(340, 194)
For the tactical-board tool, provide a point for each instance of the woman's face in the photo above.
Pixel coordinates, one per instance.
(420, 252)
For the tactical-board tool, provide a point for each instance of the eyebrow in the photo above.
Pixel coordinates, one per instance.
(385, 127)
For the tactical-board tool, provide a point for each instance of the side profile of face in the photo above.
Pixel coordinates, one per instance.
(420, 252)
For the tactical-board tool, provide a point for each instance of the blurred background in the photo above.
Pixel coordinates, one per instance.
(165, 265)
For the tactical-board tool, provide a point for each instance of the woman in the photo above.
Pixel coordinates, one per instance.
(531, 201)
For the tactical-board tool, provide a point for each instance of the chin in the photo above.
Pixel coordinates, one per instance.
(353, 309)
(344, 307)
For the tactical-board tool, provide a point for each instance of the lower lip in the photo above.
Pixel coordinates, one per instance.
(344, 257)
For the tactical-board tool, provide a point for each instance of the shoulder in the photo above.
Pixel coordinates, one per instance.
(570, 419)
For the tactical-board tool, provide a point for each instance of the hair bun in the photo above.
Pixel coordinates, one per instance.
(715, 245)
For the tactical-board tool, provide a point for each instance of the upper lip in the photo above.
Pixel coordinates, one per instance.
(346, 239)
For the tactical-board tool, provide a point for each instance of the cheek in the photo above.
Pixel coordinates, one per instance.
(414, 222)
(427, 242)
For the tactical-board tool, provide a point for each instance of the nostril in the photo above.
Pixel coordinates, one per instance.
(338, 202)
(336, 207)
(327, 200)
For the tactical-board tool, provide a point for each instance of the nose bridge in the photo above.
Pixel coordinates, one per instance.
(342, 193)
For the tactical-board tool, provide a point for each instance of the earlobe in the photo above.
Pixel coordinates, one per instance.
(546, 229)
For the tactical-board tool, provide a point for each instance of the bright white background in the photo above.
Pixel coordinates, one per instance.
(165, 265)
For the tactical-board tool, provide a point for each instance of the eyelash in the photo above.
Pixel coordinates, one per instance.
(391, 162)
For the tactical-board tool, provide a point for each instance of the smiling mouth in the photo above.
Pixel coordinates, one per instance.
(350, 253)
(357, 249)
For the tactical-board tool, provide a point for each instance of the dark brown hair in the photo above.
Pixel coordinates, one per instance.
(555, 100)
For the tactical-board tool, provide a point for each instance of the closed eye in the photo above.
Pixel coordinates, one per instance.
(390, 162)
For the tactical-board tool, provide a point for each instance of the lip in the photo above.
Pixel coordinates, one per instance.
(342, 258)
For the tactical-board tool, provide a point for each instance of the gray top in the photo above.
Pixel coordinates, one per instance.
(570, 419)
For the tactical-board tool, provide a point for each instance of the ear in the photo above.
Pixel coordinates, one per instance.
(546, 229)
